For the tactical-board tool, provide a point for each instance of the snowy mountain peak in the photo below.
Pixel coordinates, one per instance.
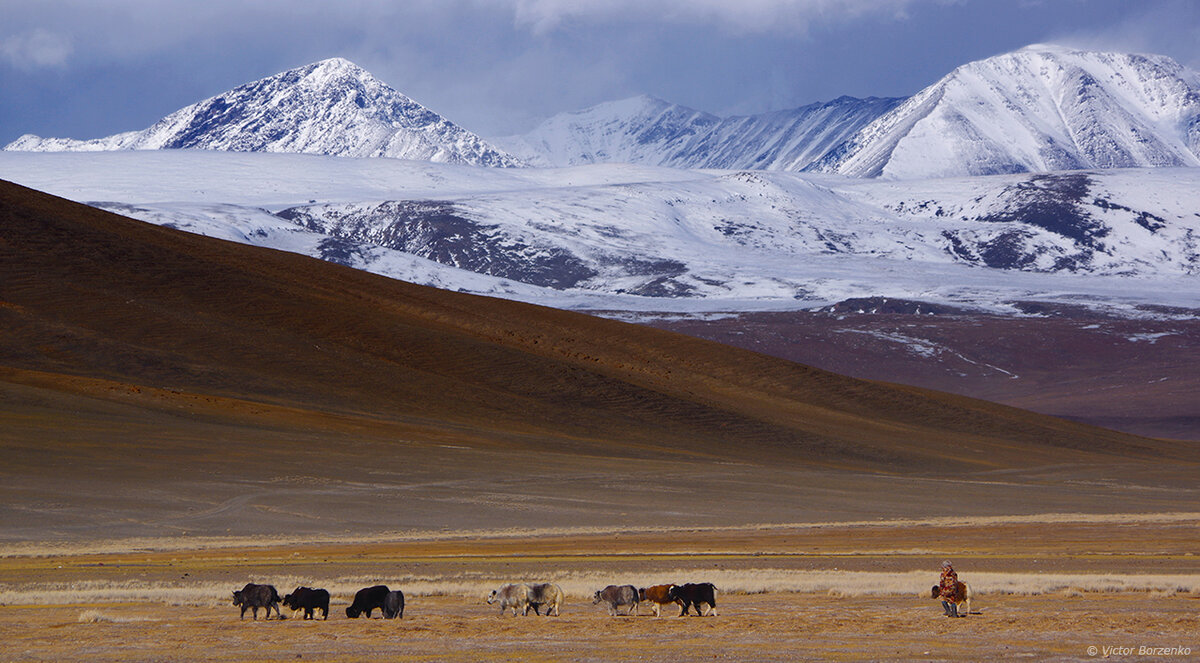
(1042, 108)
(332, 107)
(325, 72)
(337, 63)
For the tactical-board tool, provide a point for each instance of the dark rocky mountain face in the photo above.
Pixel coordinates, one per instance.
(438, 231)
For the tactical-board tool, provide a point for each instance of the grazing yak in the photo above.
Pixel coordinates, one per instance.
(511, 596)
(690, 594)
(308, 600)
(390, 603)
(962, 597)
(616, 596)
(393, 605)
(658, 596)
(547, 594)
(257, 596)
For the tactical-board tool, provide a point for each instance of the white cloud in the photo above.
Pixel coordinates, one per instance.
(36, 49)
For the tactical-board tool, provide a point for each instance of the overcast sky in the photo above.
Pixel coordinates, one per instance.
(90, 68)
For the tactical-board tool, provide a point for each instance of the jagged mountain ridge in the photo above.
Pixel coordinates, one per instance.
(1043, 108)
(332, 107)
(651, 131)
(1040, 109)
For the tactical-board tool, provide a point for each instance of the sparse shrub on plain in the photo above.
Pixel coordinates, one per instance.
(97, 617)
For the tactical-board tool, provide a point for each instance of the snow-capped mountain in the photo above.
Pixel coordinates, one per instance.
(1040, 109)
(631, 237)
(331, 107)
(783, 140)
(651, 131)
(622, 234)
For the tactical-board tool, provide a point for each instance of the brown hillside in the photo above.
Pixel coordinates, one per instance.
(1130, 373)
(212, 374)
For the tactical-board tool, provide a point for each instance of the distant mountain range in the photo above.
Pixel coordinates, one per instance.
(723, 226)
(651, 131)
(1040, 109)
(332, 107)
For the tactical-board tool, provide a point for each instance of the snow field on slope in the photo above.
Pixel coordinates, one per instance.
(278, 180)
(747, 240)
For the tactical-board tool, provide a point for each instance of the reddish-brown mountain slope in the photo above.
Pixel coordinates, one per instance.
(1129, 373)
(133, 355)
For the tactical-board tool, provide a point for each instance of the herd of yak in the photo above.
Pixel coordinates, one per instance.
(520, 596)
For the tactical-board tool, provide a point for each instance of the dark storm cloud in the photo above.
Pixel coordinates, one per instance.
(86, 68)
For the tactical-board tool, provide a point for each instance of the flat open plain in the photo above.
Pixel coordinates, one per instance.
(1047, 589)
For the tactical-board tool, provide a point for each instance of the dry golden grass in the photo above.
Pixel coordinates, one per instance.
(830, 592)
(760, 627)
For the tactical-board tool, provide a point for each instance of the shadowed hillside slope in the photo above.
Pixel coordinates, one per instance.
(220, 377)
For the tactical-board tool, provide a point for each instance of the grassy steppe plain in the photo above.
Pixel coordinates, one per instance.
(1047, 589)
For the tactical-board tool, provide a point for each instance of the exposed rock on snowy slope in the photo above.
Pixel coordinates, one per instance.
(332, 107)
(752, 234)
(1134, 222)
(623, 236)
(1043, 108)
(651, 131)
(438, 231)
